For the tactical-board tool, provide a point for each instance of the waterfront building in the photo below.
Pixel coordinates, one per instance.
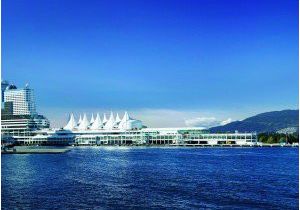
(132, 132)
(22, 125)
(22, 100)
(19, 119)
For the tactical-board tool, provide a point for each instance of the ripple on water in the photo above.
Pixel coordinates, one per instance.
(157, 178)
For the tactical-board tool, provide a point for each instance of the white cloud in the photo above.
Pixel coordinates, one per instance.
(206, 122)
(202, 122)
(224, 122)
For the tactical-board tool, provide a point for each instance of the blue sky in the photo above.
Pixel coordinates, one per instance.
(196, 59)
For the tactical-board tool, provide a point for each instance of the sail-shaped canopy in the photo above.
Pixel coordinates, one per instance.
(125, 119)
(84, 123)
(118, 118)
(117, 121)
(92, 119)
(104, 121)
(71, 124)
(127, 123)
(110, 123)
(97, 123)
(79, 121)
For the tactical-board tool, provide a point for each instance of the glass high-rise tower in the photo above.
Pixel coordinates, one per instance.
(4, 85)
(22, 100)
(19, 118)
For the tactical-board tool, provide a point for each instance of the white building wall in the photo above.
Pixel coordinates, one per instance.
(22, 99)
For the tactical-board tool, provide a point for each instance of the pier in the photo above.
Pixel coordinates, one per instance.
(34, 150)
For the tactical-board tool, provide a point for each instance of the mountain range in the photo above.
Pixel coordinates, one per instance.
(285, 121)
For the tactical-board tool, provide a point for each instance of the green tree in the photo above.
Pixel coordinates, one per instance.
(282, 140)
(262, 138)
(270, 139)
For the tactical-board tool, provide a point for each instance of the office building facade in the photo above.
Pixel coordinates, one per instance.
(22, 100)
(19, 119)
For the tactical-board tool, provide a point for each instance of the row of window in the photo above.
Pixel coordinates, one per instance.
(109, 138)
(219, 137)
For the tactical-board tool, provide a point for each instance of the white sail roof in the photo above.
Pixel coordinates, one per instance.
(92, 119)
(97, 123)
(125, 119)
(104, 119)
(117, 121)
(80, 119)
(71, 124)
(84, 123)
(111, 121)
(126, 123)
(118, 118)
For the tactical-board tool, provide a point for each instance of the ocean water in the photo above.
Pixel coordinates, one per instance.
(152, 178)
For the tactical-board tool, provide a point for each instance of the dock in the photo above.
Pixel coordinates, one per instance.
(34, 150)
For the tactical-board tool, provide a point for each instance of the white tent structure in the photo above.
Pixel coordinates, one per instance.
(104, 121)
(84, 123)
(125, 118)
(92, 119)
(117, 121)
(128, 123)
(79, 121)
(118, 118)
(71, 124)
(97, 123)
(110, 123)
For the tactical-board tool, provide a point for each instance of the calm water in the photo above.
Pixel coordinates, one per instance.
(173, 178)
